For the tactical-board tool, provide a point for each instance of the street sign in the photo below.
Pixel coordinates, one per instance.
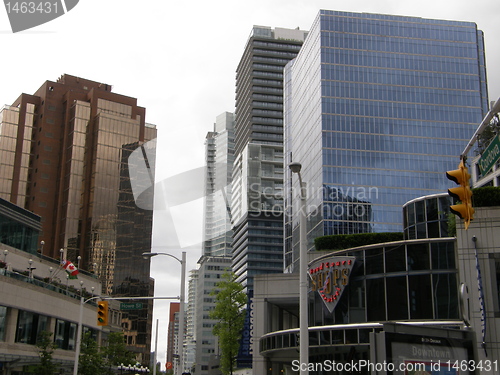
(131, 306)
(490, 156)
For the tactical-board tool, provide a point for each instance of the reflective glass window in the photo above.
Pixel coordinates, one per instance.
(446, 296)
(443, 255)
(29, 326)
(418, 257)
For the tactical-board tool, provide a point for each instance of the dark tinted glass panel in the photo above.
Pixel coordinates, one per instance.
(443, 255)
(420, 299)
(420, 211)
(433, 229)
(374, 261)
(432, 209)
(375, 300)
(446, 296)
(395, 259)
(356, 291)
(410, 213)
(397, 298)
(418, 257)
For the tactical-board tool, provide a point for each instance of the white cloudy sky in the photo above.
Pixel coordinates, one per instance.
(179, 60)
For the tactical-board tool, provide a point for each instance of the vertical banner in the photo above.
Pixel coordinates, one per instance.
(245, 353)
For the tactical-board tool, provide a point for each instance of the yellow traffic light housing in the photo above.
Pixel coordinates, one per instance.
(463, 193)
(102, 313)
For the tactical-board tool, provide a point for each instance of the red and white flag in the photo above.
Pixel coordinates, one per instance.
(70, 269)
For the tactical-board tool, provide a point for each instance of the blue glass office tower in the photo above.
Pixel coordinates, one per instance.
(377, 108)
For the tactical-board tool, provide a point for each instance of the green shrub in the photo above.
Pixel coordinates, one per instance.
(346, 241)
(487, 196)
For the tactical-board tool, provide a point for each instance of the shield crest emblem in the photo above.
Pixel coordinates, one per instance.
(329, 277)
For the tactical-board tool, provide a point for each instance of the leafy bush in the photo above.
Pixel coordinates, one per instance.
(346, 241)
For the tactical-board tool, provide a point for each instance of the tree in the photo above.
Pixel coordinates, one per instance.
(46, 347)
(116, 351)
(230, 313)
(91, 360)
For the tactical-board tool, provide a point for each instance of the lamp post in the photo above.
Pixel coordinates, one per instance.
(303, 318)
(182, 261)
(30, 268)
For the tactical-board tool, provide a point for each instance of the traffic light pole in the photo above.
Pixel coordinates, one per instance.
(79, 333)
(83, 301)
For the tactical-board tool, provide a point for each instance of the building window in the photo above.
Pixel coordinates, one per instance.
(65, 335)
(29, 327)
(3, 315)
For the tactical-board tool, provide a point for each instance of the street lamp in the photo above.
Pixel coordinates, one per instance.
(303, 318)
(30, 268)
(181, 307)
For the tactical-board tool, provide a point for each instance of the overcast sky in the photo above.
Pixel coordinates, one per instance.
(179, 59)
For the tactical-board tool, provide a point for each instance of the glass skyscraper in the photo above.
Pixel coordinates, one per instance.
(377, 108)
(219, 158)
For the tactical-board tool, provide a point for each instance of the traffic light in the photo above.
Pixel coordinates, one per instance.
(102, 313)
(463, 193)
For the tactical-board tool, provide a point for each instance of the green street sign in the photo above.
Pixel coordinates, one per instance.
(490, 156)
(130, 305)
